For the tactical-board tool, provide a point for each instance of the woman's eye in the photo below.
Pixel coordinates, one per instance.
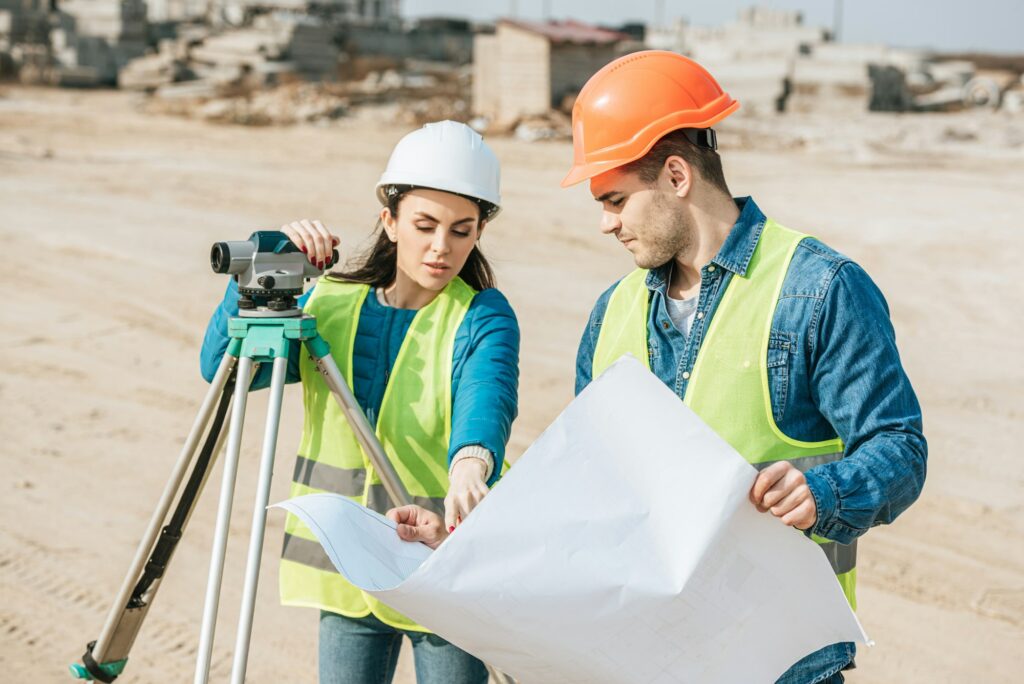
(424, 227)
(616, 203)
(460, 233)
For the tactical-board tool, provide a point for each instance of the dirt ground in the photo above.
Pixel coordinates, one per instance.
(107, 218)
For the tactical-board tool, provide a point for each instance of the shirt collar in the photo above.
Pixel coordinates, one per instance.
(739, 245)
(736, 251)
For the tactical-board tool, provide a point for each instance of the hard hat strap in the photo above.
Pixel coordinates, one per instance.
(702, 137)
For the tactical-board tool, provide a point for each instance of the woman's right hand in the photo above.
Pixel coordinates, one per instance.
(316, 242)
(415, 523)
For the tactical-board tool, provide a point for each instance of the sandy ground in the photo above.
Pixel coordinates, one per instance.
(107, 217)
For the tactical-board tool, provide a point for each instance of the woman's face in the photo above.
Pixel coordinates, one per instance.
(435, 231)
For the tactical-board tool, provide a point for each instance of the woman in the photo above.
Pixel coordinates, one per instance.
(430, 350)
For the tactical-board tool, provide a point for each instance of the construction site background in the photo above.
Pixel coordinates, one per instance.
(111, 198)
(267, 62)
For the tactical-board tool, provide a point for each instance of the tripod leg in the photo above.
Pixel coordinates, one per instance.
(364, 433)
(259, 521)
(227, 364)
(220, 539)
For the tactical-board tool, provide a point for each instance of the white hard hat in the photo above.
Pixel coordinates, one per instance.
(448, 156)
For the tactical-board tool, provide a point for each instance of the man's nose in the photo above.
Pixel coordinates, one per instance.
(610, 222)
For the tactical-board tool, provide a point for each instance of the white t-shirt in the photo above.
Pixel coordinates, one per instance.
(682, 311)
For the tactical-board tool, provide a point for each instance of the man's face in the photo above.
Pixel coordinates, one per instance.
(648, 219)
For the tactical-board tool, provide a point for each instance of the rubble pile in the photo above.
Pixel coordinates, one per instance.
(272, 50)
(772, 62)
(422, 91)
(880, 138)
(271, 62)
(152, 71)
(953, 86)
(419, 93)
(24, 36)
(556, 125)
(283, 105)
(95, 39)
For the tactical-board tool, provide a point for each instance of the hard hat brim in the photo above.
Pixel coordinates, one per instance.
(472, 194)
(450, 186)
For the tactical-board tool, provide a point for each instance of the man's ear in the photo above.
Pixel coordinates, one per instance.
(678, 173)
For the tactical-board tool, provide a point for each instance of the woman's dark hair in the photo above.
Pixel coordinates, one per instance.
(378, 266)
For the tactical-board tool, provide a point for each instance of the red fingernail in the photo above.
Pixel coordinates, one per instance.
(451, 529)
(321, 265)
(303, 248)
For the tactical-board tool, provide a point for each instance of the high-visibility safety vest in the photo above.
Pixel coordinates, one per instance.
(728, 385)
(414, 427)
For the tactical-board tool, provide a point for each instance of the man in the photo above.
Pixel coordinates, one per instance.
(781, 344)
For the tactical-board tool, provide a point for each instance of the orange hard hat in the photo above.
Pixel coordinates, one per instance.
(633, 102)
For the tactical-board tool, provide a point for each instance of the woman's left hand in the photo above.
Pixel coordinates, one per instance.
(467, 488)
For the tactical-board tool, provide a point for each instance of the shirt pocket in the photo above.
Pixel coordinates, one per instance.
(652, 351)
(781, 346)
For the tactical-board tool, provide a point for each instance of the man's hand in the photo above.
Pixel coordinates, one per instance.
(466, 489)
(782, 489)
(416, 523)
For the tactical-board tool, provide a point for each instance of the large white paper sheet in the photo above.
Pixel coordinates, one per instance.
(620, 548)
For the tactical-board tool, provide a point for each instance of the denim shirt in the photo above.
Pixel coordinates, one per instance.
(833, 369)
(485, 370)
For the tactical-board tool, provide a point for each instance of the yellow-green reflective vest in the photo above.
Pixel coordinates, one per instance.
(414, 427)
(728, 386)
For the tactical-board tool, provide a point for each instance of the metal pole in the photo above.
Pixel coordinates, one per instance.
(227, 364)
(364, 433)
(259, 521)
(220, 539)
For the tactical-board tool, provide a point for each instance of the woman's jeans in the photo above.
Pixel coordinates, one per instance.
(365, 651)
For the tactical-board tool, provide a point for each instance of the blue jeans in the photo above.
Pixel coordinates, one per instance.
(365, 651)
(824, 666)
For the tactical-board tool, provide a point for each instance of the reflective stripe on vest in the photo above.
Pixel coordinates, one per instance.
(413, 426)
(728, 385)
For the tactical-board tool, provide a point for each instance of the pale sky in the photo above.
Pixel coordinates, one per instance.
(949, 25)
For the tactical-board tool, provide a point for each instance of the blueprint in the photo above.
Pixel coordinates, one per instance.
(620, 548)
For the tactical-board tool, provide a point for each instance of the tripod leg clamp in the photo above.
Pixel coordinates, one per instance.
(101, 672)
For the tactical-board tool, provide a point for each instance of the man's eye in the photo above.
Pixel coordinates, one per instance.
(616, 202)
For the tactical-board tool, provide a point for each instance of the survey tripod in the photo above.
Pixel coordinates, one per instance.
(264, 332)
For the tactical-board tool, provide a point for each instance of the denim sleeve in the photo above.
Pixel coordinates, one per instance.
(486, 392)
(588, 341)
(215, 342)
(860, 386)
